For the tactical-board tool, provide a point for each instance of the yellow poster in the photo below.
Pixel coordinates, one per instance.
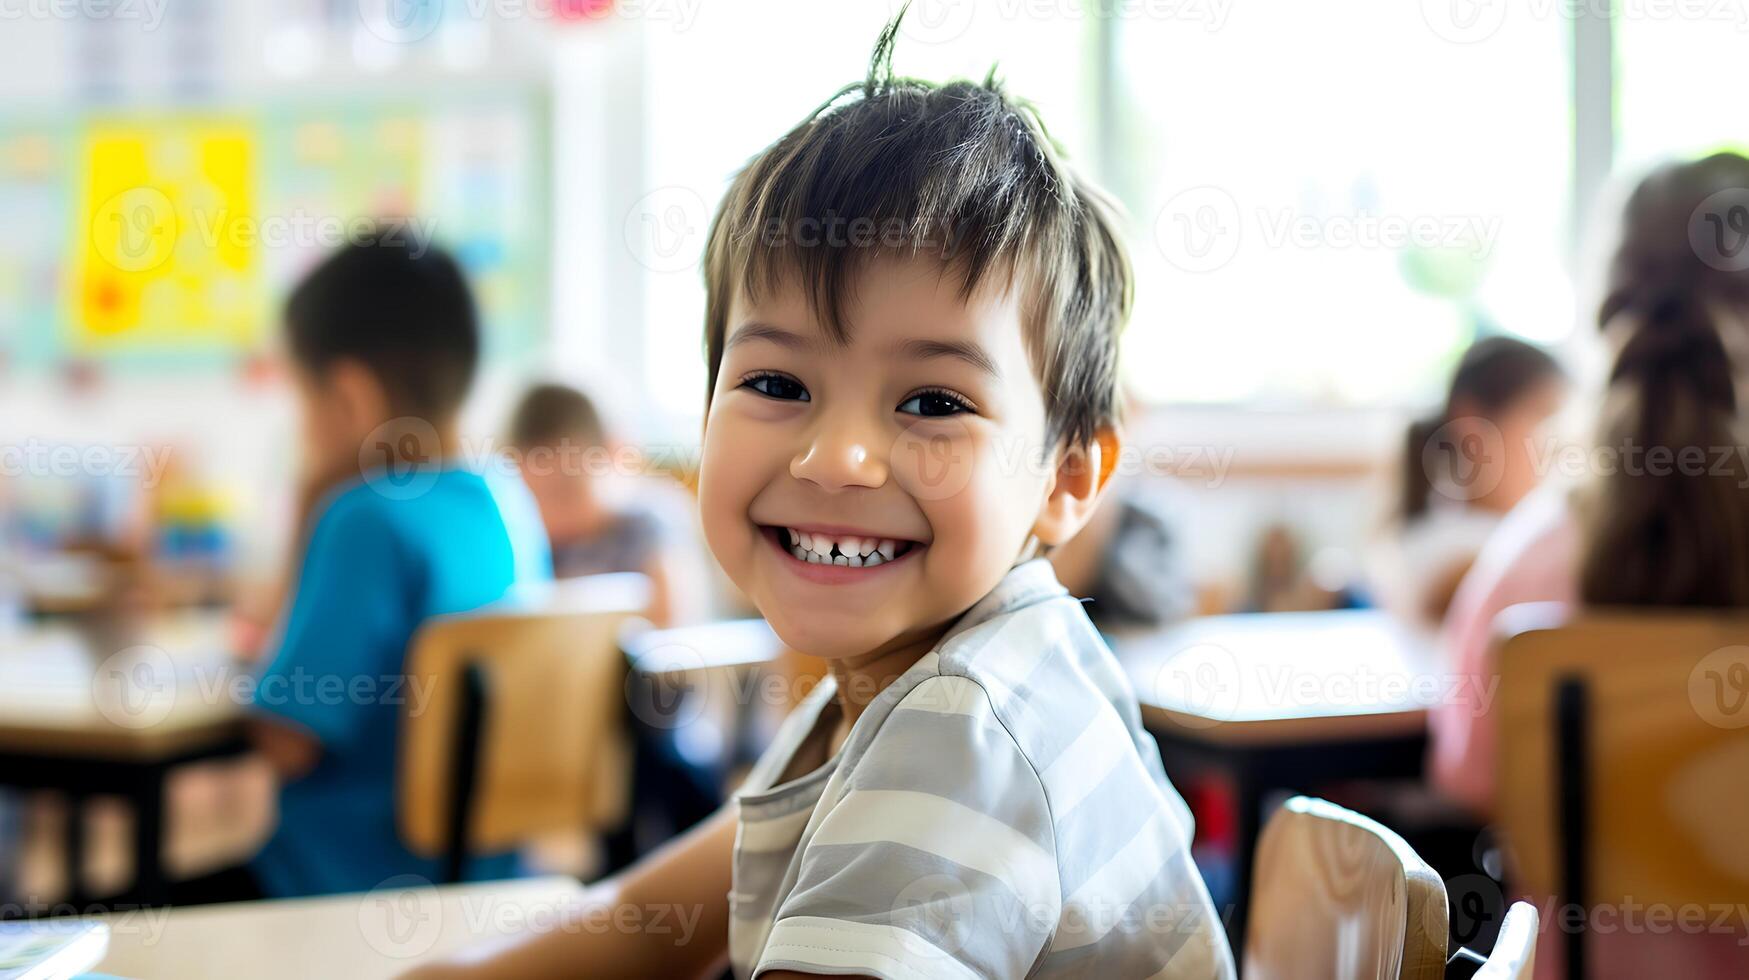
(166, 246)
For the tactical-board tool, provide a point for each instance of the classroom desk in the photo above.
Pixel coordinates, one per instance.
(1284, 702)
(379, 933)
(90, 713)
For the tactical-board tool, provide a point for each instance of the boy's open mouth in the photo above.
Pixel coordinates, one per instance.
(845, 550)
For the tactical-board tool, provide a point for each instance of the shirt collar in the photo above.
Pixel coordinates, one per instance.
(1027, 583)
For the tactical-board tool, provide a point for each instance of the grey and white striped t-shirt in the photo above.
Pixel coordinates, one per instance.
(997, 811)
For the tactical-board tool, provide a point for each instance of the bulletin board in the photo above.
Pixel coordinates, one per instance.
(170, 239)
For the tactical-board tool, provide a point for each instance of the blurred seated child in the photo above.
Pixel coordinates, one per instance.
(1627, 536)
(1638, 532)
(1463, 469)
(1127, 562)
(384, 341)
(560, 443)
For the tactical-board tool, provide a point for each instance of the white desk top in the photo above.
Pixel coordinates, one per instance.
(165, 688)
(1284, 676)
(360, 937)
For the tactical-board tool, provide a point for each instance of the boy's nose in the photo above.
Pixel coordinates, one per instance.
(838, 457)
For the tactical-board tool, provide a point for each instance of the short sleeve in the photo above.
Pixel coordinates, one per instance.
(938, 859)
(345, 628)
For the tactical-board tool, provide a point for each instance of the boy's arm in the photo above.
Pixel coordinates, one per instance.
(345, 619)
(290, 752)
(686, 881)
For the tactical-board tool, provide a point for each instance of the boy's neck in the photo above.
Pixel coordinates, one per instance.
(861, 679)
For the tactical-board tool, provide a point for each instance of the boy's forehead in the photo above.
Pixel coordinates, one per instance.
(885, 300)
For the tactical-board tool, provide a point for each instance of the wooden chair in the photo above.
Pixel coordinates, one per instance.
(1514, 955)
(1623, 749)
(519, 728)
(1336, 895)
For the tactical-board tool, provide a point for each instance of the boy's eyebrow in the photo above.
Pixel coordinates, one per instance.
(971, 353)
(766, 331)
(917, 348)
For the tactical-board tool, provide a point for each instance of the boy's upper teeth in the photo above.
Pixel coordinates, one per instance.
(822, 544)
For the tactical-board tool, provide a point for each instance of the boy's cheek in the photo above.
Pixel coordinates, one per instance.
(938, 463)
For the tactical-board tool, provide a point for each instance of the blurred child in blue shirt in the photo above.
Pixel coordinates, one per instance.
(398, 529)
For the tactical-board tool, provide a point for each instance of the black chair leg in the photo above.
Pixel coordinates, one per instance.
(464, 776)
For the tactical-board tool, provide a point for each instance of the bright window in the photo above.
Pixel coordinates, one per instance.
(1330, 199)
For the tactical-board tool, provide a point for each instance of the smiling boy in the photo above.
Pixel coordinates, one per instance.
(903, 417)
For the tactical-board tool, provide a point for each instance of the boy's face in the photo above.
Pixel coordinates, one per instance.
(340, 407)
(924, 431)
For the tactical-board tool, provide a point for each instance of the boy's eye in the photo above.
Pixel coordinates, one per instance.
(777, 386)
(931, 404)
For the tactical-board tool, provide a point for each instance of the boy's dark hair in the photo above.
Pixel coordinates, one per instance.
(551, 414)
(402, 311)
(961, 171)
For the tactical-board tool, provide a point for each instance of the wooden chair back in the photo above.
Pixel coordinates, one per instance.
(1336, 895)
(516, 728)
(1624, 739)
(1514, 955)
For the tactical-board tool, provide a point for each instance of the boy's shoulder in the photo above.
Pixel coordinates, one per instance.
(1026, 639)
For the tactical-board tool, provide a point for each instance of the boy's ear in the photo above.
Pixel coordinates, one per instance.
(1081, 476)
(358, 395)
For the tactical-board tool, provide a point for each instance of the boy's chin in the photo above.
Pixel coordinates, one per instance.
(828, 637)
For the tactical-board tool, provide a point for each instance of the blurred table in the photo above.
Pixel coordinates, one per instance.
(1283, 703)
(363, 936)
(111, 710)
